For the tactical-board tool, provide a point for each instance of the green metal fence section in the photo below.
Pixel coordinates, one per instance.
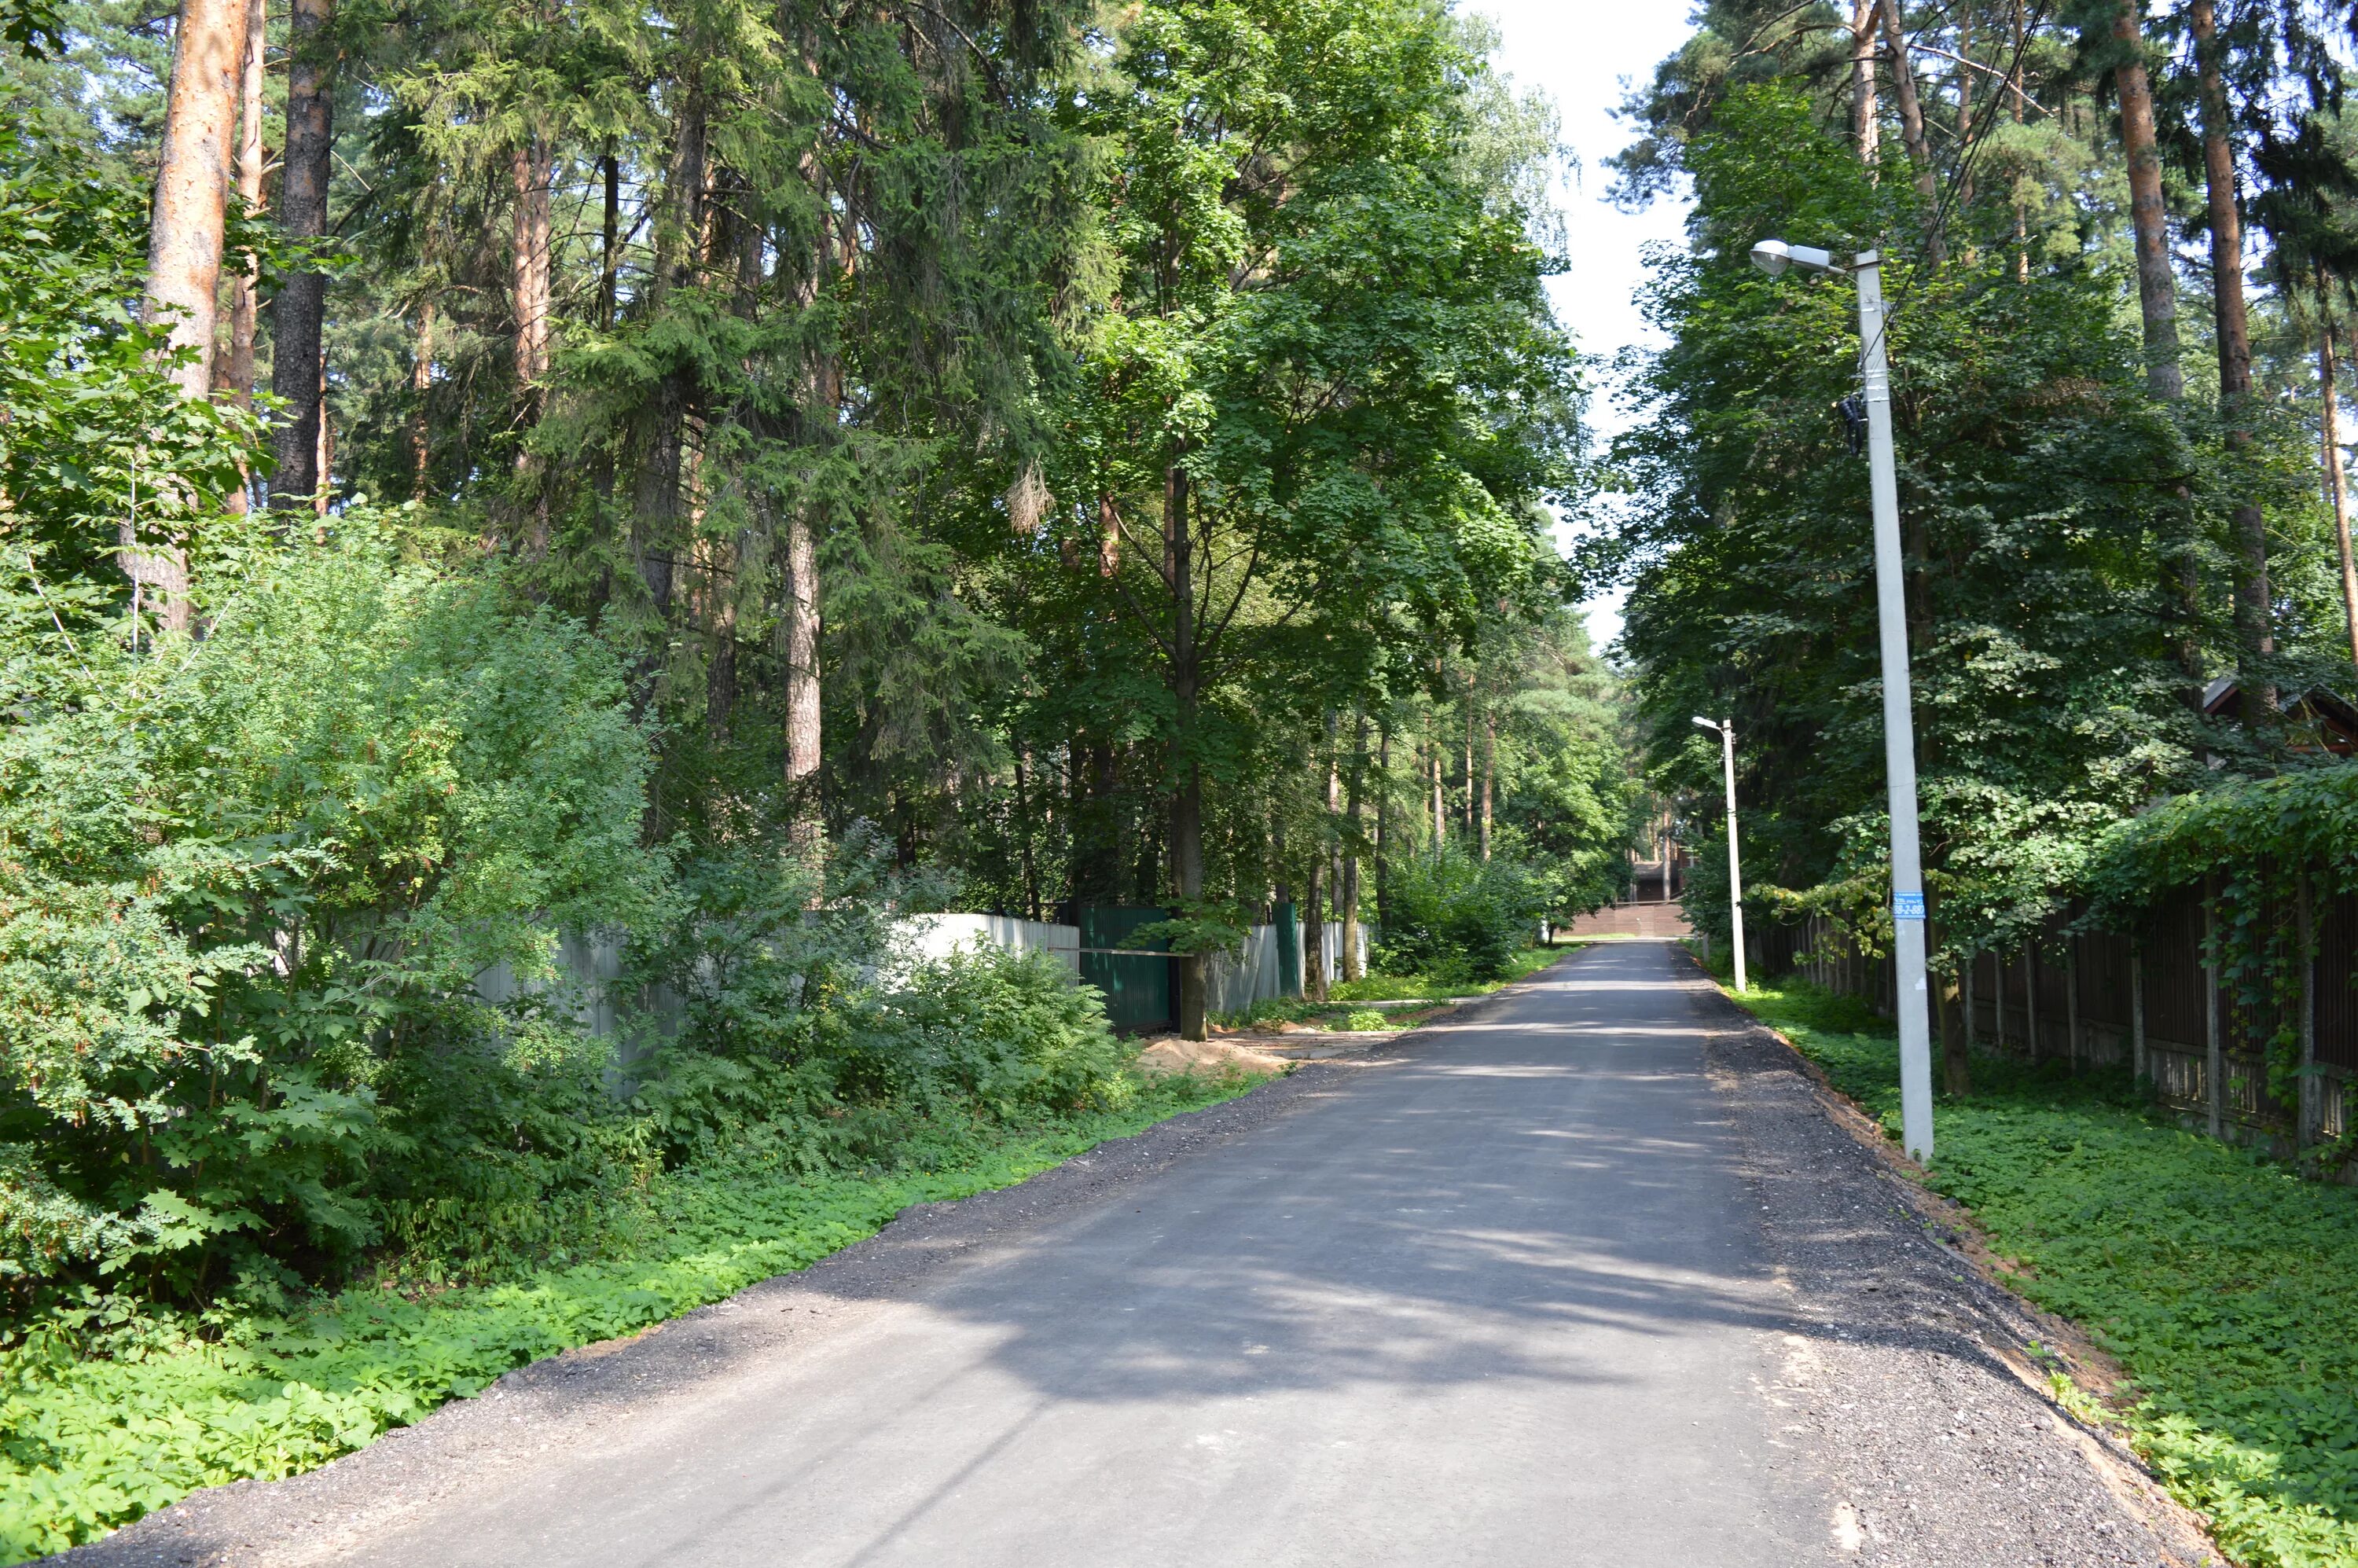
(1287, 922)
(1140, 987)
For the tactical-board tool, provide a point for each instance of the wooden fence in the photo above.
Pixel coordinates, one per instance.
(2147, 1001)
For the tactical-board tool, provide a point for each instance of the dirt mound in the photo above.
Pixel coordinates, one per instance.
(1172, 1054)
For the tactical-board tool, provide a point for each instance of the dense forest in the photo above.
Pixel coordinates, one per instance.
(481, 484)
(532, 538)
(2119, 250)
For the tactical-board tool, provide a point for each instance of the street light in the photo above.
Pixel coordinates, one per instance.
(1773, 256)
(1727, 728)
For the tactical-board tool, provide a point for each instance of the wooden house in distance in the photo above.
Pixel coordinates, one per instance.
(2315, 720)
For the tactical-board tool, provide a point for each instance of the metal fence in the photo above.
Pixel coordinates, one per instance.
(1138, 976)
(2151, 1001)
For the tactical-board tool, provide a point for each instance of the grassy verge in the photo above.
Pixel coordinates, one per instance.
(110, 1415)
(1346, 1005)
(2226, 1286)
(1329, 1015)
(1405, 988)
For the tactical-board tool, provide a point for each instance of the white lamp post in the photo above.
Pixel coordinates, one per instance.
(1773, 256)
(1727, 728)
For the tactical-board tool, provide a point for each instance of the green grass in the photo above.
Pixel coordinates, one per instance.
(1411, 988)
(109, 1417)
(2226, 1285)
(1387, 988)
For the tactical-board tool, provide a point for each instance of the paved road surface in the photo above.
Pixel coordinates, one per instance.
(1502, 1295)
(1509, 1295)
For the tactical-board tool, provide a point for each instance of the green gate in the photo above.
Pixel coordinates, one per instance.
(1137, 981)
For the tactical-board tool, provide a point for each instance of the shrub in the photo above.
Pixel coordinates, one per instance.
(1010, 1031)
(1456, 918)
(249, 883)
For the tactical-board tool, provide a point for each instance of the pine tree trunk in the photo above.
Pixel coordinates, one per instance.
(421, 386)
(1866, 116)
(799, 628)
(1347, 890)
(324, 455)
(720, 657)
(1314, 936)
(1965, 90)
(610, 235)
(184, 251)
(1911, 131)
(2338, 482)
(1023, 827)
(1440, 807)
(297, 316)
(529, 173)
(528, 264)
(2157, 310)
(1489, 773)
(244, 300)
(1467, 777)
(2254, 636)
(655, 509)
(801, 624)
(1331, 840)
(2149, 213)
(2021, 112)
(1383, 825)
(1187, 807)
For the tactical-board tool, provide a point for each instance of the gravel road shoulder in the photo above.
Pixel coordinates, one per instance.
(1910, 1377)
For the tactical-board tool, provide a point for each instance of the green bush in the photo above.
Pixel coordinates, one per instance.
(250, 880)
(994, 1034)
(1456, 918)
(1011, 1033)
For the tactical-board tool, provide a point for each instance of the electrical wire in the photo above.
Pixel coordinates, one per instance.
(1968, 149)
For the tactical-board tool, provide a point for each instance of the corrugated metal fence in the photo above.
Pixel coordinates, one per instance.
(1139, 983)
(2147, 1000)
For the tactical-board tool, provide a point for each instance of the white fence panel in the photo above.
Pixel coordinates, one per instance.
(1330, 949)
(937, 936)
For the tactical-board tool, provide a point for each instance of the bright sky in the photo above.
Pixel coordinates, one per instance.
(1581, 52)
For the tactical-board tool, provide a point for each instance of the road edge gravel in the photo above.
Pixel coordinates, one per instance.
(1900, 1301)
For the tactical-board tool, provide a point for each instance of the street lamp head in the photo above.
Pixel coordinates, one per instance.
(1773, 256)
(1708, 723)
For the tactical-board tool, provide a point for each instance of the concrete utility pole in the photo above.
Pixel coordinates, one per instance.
(1913, 998)
(1727, 728)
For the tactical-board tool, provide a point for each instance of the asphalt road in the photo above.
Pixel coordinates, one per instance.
(1591, 1275)
(1498, 1302)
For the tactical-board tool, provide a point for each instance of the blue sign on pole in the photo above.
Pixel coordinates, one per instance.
(1907, 906)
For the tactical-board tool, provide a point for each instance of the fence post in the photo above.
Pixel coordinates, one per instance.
(2071, 999)
(2137, 1013)
(1972, 1027)
(1998, 1000)
(2214, 1066)
(2030, 997)
(2309, 1100)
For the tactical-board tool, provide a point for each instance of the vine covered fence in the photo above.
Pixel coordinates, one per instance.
(2169, 999)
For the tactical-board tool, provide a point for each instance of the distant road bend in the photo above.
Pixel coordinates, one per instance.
(1587, 1277)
